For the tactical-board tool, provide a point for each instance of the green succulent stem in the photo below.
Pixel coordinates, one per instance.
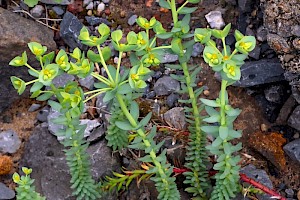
(192, 97)
(30, 82)
(41, 62)
(186, 2)
(162, 47)
(224, 46)
(36, 71)
(223, 102)
(101, 78)
(118, 66)
(147, 143)
(232, 54)
(152, 42)
(104, 64)
(174, 11)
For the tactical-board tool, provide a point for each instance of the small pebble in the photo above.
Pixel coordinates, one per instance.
(34, 107)
(296, 136)
(6, 165)
(132, 20)
(206, 92)
(100, 7)
(58, 10)
(289, 192)
(116, 59)
(215, 20)
(86, 2)
(89, 12)
(263, 127)
(298, 194)
(105, 1)
(37, 11)
(90, 6)
(107, 11)
(122, 14)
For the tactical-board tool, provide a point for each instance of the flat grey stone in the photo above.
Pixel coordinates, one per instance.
(166, 85)
(44, 154)
(292, 149)
(58, 2)
(9, 141)
(6, 193)
(70, 29)
(294, 119)
(260, 176)
(260, 72)
(132, 20)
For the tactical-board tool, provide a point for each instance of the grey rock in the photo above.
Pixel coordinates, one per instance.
(215, 19)
(172, 99)
(274, 93)
(6, 193)
(101, 105)
(90, 6)
(197, 49)
(289, 192)
(292, 149)
(87, 82)
(62, 80)
(34, 107)
(97, 133)
(240, 196)
(9, 141)
(260, 72)
(230, 39)
(15, 44)
(260, 176)
(255, 53)
(106, 1)
(86, 2)
(90, 126)
(296, 94)
(261, 34)
(286, 110)
(70, 29)
(150, 95)
(294, 119)
(169, 57)
(37, 11)
(58, 10)
(245, 5)
(43, 114)
(52, 127)
(62, 2)
(166, 85)
(44, 154)
(100, 7)
(278, 43)
(132, 20)
(157, 74)
(92, 20)
(296, 30)
(175, 118)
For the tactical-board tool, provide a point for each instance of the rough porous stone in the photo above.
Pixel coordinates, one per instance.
(175, 118)
(6, 193)
(260, 72)
(166, 85)
(70, 29)
(9, 141)
(294, 119)
(44, 154)
(293, 150)
(15, 35)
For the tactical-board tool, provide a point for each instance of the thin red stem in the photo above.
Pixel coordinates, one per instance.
(244, 178)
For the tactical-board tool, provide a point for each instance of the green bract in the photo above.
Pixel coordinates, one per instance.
(212, 56)
(202, 35)
(231, 70)
(131, 41)
(62, 60)
(136, 75)
(36, 48)
(144, 23)
(19, 61)
(246, 44)
(48, 74)
(142, 41)
(76, 54)
(18, 84)
(151, 59)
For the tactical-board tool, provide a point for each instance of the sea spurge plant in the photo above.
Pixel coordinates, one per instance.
(25, 189)
(220, 111)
